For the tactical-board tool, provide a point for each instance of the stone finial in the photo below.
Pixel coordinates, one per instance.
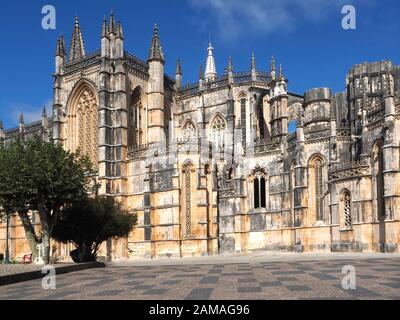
(201, 78)
(273, 68)
(229, 68)
(178, 74)
(60, 49)
(112, 23)
(120, 33)
(281, 76)
(201, 73)
(178, 67)
(104, 29)
(253, 67)
(21, 118)
(272, 65)
(44, 112)
(77, 49)
(156, 52)
(253, 61)
(63, 46)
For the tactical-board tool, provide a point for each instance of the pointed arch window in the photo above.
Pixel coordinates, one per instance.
(135, 114)
(83, 123)
(347, 219)
(218, 128)
(187, 195)
(259, 188)
(318, 170)
(318, 166)
(243, 118)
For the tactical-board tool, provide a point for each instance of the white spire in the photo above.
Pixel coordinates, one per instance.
(211, 70)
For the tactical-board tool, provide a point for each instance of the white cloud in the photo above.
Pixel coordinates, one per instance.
(31, 113)
(234, 18)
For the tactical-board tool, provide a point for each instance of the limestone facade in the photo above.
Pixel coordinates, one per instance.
(233, 163)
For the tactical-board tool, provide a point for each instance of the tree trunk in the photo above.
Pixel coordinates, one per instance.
(30, 233)
(85, 252)
(45, 221)
(46, 245)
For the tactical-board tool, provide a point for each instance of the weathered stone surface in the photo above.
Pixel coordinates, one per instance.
(212, 167)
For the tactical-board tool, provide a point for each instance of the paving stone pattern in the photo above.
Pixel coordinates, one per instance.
(376, 279)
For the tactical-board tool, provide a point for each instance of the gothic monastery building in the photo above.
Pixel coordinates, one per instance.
(232, 163)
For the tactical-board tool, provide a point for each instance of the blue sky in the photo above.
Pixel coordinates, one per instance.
(304, 35)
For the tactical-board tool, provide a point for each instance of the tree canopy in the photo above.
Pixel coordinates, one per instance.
(89, 222)
(41, 176)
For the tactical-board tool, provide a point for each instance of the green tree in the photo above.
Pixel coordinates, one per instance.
(89, 222)
(41, 176)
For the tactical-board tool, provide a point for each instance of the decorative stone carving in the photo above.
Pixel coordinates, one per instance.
(189, 132)
(161, 180)
(83, 124)
(347, 209)
(349, 170)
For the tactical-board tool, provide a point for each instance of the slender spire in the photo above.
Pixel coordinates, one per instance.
(253, 61)
(112, 23)
(253, 67)
(21, 118)
(229, 70)
(120, 33)
(58, 48)
(104, 30)
(201, 78)
(63, 46)
(76, 50)
(273, 68)
(201, 73)
(1, 125)
(44, 112)
(156, 52)
(230, 65)
(178, 67)
(280, 71)
(211, 70)
(178, 74)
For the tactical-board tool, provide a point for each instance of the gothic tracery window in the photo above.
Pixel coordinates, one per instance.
(259, 189)
(379, 182)
(86, 123)
(136, 111)
(346, 198)
(187, 183)
(218, 128)
(318, 167)
(243, 118)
